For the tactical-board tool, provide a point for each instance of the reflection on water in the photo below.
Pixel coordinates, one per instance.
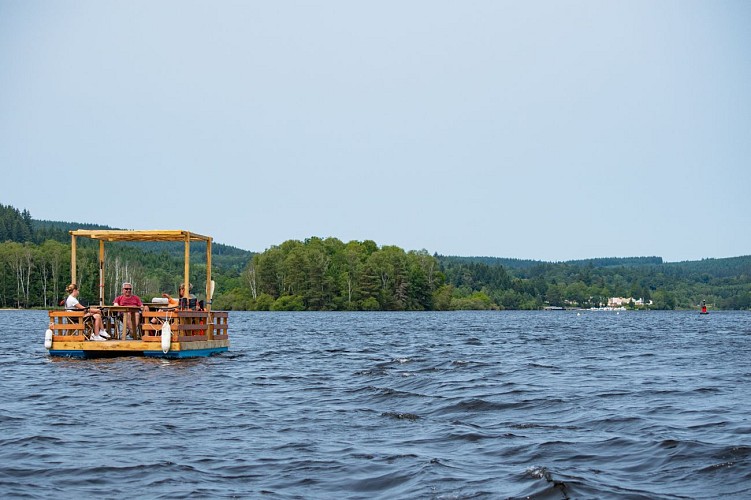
(391, 405)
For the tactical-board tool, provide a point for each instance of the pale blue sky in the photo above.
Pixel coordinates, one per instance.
(544, 130)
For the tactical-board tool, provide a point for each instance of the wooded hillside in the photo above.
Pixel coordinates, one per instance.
(328, 274)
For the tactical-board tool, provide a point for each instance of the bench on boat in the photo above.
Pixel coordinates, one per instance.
(68, 325)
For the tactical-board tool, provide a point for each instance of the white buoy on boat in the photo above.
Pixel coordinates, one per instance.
(166, 337)
(48, 339)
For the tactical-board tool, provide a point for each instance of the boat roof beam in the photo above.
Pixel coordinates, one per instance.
(138, 235)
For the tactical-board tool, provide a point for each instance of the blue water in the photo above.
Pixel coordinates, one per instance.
(391, 405)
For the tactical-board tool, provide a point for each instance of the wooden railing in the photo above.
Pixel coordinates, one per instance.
(68, 325)
(186, 326)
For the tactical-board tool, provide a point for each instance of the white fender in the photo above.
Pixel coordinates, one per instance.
(166, 337)
(48, 339)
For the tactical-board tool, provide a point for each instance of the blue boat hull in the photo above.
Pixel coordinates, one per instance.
(182, 354)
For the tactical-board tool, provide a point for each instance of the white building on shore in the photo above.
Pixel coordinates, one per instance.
(624, 301)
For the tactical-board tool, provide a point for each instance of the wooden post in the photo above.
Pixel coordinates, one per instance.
(187, 265)
(101, 273)
(208, 274)
(209, 319)
(73, 258)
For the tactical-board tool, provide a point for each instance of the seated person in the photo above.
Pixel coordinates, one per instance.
(174, 303)
(128, 298)
(188, 299)
(72, 304)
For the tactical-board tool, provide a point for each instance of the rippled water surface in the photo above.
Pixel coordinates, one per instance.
(391, 405)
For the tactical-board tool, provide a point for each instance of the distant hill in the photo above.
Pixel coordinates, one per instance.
(491, 261)
(729, 267)
(617, 262)
(51, 225)
(527, 264)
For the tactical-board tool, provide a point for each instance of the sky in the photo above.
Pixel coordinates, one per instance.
(548, 130)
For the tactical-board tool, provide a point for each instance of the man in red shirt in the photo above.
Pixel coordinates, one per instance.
(128, 298)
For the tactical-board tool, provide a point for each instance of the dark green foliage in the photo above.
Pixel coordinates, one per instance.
(15, 225)
(490, 261)
(327, 274)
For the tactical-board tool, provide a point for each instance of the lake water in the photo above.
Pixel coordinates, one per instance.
(391, 405)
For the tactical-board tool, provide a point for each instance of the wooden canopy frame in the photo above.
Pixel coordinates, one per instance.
(143, 236)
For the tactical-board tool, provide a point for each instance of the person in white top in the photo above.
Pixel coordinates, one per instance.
(72, 304)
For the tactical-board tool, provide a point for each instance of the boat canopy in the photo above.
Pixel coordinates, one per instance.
(134, 235)
(112, 235)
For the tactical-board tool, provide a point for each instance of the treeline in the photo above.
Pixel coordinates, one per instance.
(34, 275)
(328, 274)
(35, 263)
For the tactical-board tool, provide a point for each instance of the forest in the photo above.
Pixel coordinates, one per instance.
(326, 274)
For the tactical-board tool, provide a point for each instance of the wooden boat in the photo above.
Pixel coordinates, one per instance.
(182, 332)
